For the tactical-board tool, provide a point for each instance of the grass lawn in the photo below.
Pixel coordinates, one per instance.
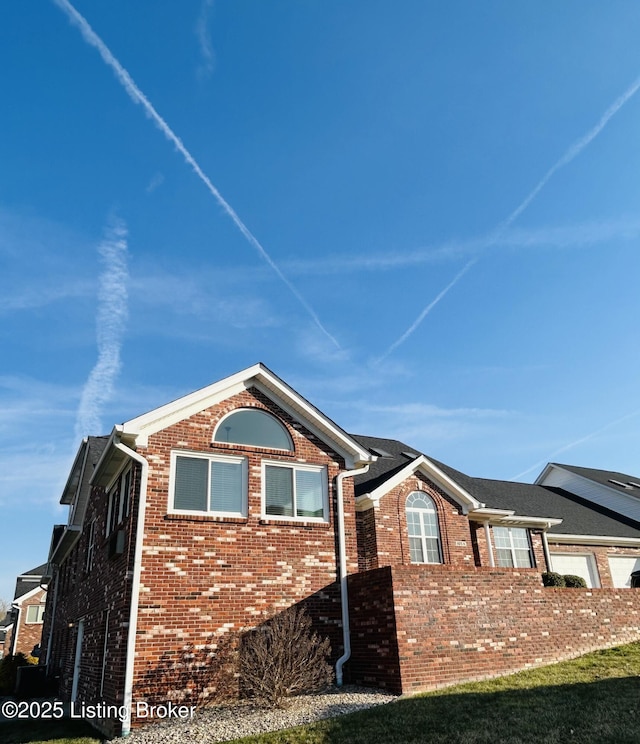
(591, 700)
(48, 732)
(594, 699)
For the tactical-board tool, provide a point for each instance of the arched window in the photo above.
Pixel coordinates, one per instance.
(422, 524)
(255, 427)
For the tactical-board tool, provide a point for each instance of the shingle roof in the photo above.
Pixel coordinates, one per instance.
(579, 517)
(29, 580)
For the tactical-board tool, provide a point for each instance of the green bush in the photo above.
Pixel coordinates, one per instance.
(551, 578)
(9, 671)
(575, 582)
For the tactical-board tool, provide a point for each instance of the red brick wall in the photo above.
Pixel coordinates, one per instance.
(204, 575)
(391, 540)
(456, 625)
(28, 635)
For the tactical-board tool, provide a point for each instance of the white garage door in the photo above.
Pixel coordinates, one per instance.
(621, 568)
(578, 565)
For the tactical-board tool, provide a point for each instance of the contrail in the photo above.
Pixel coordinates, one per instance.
(576, 148)
(571, 445)
(426, 311)
(137, 96)
(110, 324)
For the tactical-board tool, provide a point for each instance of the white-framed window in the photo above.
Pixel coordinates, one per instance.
(254, 427)
(294, 491)
(513, 548)
(91, 546)
(208, 484)
(119, 500)
(422, 525)
(35, 614)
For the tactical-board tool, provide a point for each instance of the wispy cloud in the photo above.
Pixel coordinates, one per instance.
(208, 59)
(33, 297)
(549, 458)
(426, 311)
(137, 96)
(580, 235)
(156, 181)
(573, 151)
(110, 325)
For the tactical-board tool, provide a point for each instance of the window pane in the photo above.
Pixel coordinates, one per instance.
(501, 537)
(432, 550)
(191, 483)
(279, 491)
(226, 486)
(523, 558)
(35, 613)
(309, 500)
(252, 426)
(415, 549)
(505, 559)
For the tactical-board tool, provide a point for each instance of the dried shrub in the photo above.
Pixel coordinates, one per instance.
(193, 676)
(284, 657)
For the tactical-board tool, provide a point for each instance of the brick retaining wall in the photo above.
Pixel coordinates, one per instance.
(455, 625)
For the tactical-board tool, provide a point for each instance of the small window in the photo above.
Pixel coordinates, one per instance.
(213, 485)
(119, 500)
(295, 492)
(513, 548)
(254, 427)
(35, 614)
(422, 525)
(91, 541)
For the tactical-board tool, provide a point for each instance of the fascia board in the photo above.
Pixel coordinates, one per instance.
(457, 493)
(487, 514)
(67, 541)
(267, 382)
(69, 492)
(32, 592)
(556, 537)
(160, 418)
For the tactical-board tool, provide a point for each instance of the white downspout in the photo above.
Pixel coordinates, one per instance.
(545, 547)
(135, 586)
(342, 559)
(487, 534)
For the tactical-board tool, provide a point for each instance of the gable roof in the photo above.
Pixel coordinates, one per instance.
(29, 580)
(263, 379)
(514, 500)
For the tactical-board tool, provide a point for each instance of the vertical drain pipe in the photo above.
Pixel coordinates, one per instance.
(342, 559)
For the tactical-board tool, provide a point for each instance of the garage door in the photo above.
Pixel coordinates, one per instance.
(578, 565)
(621, 568)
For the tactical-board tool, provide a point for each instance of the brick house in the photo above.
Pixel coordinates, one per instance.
(192, 520)
(21, 629)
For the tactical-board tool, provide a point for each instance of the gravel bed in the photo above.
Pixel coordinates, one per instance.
(222, 723)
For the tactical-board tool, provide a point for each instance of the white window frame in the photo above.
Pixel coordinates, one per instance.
(253, 409)
(293, 466)
(210, 458)
(114, 492)
(91, 546)
(512, 548)
(423, 537)
(39, 615)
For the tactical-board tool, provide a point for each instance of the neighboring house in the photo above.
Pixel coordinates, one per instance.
(23, 623)
(195, 519)
(6, 624)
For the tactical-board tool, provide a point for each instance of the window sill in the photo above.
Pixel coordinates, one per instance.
(204, 518)
(294, 523)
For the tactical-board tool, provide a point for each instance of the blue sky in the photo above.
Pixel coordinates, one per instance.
(423, 216)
